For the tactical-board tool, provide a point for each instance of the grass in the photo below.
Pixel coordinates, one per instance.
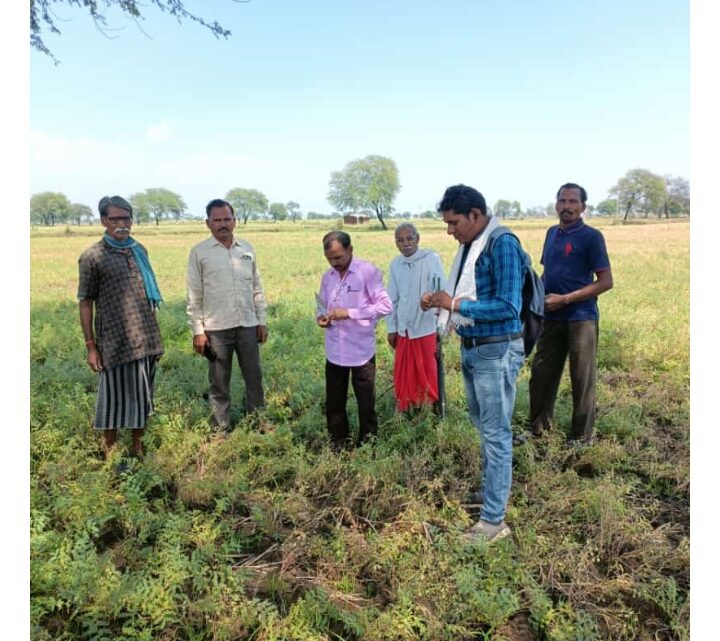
(268, 535)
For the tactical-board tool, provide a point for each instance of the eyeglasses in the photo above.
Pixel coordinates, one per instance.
(119, 219)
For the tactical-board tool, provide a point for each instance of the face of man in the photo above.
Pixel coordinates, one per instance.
(117, 222)
(406, 242)
(221, 223)
(338, 257)
(569, 206)
(464, 228)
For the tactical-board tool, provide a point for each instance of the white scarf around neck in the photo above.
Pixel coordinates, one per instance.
(466, 287)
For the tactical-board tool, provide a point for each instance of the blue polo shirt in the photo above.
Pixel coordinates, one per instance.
(571, 257)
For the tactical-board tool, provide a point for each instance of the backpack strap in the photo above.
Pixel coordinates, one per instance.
(500, 230)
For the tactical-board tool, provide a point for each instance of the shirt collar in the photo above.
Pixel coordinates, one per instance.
(215, 241)
(578, 224)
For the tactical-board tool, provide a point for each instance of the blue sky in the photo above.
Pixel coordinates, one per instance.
(512, 97)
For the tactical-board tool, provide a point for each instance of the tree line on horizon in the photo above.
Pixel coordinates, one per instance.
(368, 186)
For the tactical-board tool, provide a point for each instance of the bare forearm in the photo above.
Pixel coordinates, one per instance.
(86, 319)
(603, 283)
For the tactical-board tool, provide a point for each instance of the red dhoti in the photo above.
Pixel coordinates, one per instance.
(415, 373)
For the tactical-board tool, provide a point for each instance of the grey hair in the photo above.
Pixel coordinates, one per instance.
(409, 226)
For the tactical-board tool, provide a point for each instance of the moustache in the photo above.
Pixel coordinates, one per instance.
(123, 230)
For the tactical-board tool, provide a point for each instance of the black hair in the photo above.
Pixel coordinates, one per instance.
(461, 199)
(218, 202)
(339, 236)
(583, 193)
(116, 201)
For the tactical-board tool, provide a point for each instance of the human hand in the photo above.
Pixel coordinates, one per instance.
(553, 302)
(262, 333)
(199, 342)
(440, 299)
(323, 321)
(338, 314)
(94, 360)
(392, 339)
(425, 301)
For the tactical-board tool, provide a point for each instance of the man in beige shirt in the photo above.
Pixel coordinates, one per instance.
(227, 310)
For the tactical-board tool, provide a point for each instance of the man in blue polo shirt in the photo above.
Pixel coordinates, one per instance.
(577, 271)
(484, 309)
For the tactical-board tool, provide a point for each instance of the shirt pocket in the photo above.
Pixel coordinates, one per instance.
(484, 278)
(354, 296)
(243, 268)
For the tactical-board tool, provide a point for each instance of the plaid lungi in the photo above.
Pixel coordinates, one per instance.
(125, 395)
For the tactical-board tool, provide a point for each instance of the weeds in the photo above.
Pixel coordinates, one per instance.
(268, 535)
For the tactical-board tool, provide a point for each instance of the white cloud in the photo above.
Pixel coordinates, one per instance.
(159, 132)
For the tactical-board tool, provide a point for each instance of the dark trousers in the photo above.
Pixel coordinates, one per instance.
(336, 391)
(242, 341)
(558, 340)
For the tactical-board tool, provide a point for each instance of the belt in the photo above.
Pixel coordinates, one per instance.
(484, 340)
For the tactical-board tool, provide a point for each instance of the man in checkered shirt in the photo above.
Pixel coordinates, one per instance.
(117, 289)
(482, 303)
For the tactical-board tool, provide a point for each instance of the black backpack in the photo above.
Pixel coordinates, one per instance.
(533, 293)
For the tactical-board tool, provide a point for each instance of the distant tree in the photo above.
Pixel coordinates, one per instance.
(42, 15)
(607, 207)
(278, 211)
(80, 213)
(640, 192)
(677, 197)
(538, 211)
(515, 209)
(49, 207)
(502, 208)
(313, 215)
(248, 203)
(370, 182)
(550, 210)
(157, 203)
(293, 210)
(429, 213)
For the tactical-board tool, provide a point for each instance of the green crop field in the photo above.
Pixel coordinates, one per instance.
(268, 535)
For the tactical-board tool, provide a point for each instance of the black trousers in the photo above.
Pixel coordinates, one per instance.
(336, 391)
(559, 340)
(242, 341)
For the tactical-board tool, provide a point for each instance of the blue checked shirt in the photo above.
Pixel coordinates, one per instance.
(498, 283)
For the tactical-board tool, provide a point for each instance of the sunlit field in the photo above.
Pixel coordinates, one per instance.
(268, 535)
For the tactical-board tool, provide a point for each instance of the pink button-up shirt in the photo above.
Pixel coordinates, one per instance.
(360, 290)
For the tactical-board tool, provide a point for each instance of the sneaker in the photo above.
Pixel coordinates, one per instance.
(490, 531)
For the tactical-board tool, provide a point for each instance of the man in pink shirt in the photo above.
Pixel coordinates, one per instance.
(352, 299)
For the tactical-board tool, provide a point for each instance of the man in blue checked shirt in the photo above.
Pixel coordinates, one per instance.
(484, 310)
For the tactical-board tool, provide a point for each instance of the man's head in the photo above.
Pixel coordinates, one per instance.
(338, 250)
(464, 211)
(116, 216)
(407, 238)
(570, 203)
(220, 220)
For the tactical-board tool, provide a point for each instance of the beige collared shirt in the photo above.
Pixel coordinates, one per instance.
(224, 289)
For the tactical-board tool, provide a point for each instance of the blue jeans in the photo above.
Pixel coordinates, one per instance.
(490, 372)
